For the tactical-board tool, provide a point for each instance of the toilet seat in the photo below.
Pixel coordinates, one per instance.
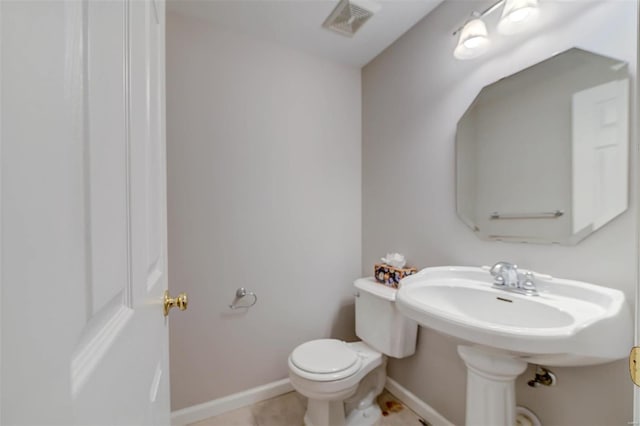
(325, 360)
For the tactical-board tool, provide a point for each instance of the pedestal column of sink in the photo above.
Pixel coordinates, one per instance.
(491, 386)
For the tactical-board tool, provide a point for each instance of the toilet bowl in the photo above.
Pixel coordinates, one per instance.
(342, 380)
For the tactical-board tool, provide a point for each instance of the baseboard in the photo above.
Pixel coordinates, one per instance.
(234, 401)
(231, 402)
(420, 407)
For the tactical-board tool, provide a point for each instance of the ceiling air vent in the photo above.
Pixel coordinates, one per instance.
(349, 16)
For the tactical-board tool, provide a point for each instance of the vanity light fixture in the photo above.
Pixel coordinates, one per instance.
(474, 38)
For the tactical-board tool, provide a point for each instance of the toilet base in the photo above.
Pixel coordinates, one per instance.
(360, 409)
(366, 417)
(322, 413)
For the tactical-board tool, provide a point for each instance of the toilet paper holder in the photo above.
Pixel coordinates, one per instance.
(241, 293)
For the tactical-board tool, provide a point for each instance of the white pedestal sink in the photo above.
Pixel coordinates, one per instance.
(569, 323)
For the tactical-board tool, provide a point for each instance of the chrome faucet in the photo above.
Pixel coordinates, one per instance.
(507, 277)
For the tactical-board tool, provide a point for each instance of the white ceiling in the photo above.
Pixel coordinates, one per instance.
(298, 24)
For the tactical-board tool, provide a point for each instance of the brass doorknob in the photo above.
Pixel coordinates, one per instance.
(173, 302)
(634, 365)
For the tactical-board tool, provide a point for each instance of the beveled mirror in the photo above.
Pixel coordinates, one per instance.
(542, 155)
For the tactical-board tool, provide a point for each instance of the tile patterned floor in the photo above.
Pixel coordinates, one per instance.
(288, 410)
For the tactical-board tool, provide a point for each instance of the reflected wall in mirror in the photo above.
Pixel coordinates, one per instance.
(542, 155)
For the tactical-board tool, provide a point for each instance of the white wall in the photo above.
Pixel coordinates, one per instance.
(264, 183)
(413, 95)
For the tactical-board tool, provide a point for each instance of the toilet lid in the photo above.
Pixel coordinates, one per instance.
(324, 356)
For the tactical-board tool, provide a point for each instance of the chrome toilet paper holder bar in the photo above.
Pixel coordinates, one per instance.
(241, 293)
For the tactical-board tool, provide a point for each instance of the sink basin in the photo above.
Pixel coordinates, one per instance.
(570, 323)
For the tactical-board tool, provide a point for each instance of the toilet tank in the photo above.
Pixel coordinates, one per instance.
(379, 323)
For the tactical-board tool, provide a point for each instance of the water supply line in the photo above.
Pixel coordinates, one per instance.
(543, 377)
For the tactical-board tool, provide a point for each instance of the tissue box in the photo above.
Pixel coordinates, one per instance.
(389, 275)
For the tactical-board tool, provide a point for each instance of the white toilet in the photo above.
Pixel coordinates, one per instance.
(342, 380)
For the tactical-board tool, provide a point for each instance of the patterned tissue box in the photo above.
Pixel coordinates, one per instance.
(391, 276)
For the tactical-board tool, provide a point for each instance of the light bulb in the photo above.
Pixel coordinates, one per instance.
(516, 15)
(519, 15)
(473, 40)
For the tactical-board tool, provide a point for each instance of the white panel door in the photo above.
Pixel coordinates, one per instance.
(600, 147)
(83, 213)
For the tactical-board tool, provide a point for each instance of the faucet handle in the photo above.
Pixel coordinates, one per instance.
(527, 282)
(498, 272)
